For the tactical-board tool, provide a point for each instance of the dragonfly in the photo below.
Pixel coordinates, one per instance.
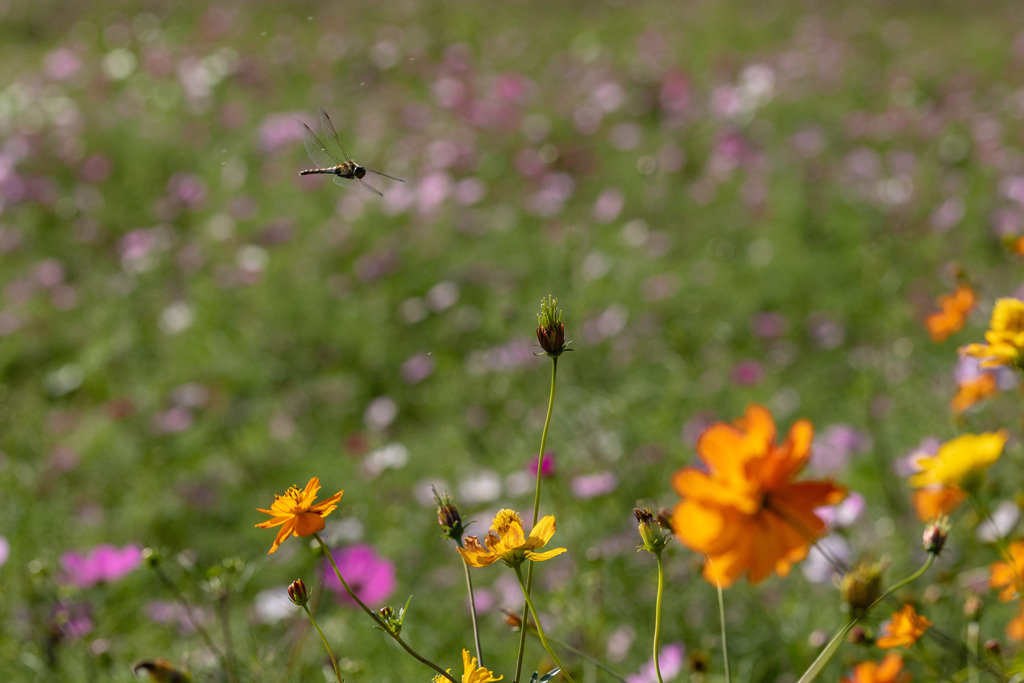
(327, 159)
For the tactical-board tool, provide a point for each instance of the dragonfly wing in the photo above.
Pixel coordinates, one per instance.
(340, 182)
(369, 187)
(315, 148)
(383, 175)
(331, 135)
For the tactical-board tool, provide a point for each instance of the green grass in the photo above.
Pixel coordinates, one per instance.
(288, 360)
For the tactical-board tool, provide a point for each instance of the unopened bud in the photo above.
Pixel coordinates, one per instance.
(550, 330)
(972, 607)
(513, 620)
(992, 647)
(862, 586)
(935, 536)
(448, 517)
(654, 537)
(297, 592)
(857, 636)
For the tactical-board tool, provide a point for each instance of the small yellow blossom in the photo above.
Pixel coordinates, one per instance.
(1005, 337)
(297, 514)
(959, 460)
(904, 629)
(471, 673)
(507, 542)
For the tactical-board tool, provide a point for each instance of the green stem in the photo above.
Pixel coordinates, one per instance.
(380, 622)
(334, 662)
(536, 512)
(833, 645)
(544, 440)
(194, 623)
(472, 610)
(540, 630)
(725, 642)
(657, 615)
(582, 655)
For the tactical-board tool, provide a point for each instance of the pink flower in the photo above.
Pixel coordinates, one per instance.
(103, 564)
(670, 661)
(547, 469)
(369, 575)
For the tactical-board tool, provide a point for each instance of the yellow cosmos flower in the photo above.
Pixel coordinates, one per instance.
(1005, 337)
(507, 542)
(471, 672)
(959, 460)
(297, 514)
(904, 629)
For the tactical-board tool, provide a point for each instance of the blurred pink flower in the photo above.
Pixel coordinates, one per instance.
(417, 368)
(842, 514)
(670, 661)
(5, 550)
(593, 485)
(747, 373)
(279, 130)
(369, 575)
(549, 464)
(187, 189)
(835, 445)
(72, 619)
(62, 64)
(102, 564)
(184, 619)
(608, 205)
(769, 325)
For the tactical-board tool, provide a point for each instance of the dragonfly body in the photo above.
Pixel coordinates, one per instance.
(350, 170)
(330, 161)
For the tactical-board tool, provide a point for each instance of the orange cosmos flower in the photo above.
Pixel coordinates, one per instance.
(934, 502)
(296, 513)
(889, 671)
(1009, 575)
(1015, 629)
(905, 627)
(1005, 337)
(952, 313)
(507, 542)
(970, 392)
(745, 513)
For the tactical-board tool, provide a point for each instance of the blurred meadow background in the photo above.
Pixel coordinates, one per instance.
(734, 203)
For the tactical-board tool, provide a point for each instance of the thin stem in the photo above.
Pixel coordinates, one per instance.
(540, 631)
(657, 615)
(833, 645)
(472, 611)
(536, 512)
(334, 662)
(579, 653)
(725, 642)
(544, 440)
(180, 597)
(373, 615)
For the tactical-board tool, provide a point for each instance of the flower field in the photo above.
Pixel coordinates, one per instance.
(652, 342)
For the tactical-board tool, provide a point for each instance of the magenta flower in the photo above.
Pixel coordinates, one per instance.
(547, 469)
(369, 575)
(103, 564)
